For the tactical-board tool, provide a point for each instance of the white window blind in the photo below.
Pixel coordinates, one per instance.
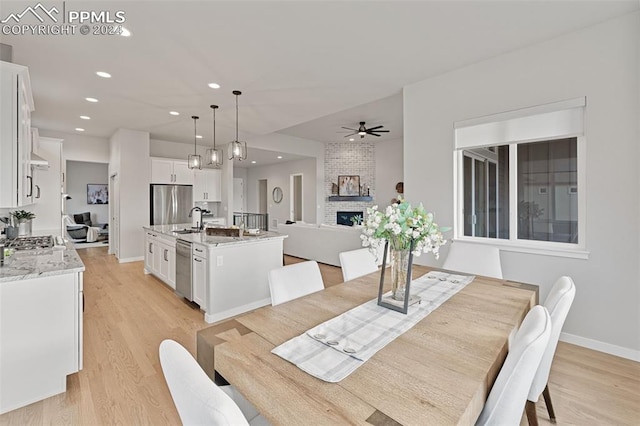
(551, 121)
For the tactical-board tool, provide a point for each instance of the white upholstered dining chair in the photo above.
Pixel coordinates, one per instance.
(558, 303)
(356, 263)
(506, 401)
(296, 280)
(477, 259)
(197, 398)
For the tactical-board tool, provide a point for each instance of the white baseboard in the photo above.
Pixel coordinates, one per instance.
(131, 259)
(596, 345)
(219, 316)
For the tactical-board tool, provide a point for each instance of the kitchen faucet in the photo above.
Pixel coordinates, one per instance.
(200, 226)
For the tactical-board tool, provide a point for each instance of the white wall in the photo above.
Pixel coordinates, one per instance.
(79, 174)
(130, 160)
(176, 150)
(389, 170)
(300, 146)
(242, 173)
(600, 62)
(78, 147)
(278, 175)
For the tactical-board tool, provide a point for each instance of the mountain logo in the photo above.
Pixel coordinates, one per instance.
(38, 10)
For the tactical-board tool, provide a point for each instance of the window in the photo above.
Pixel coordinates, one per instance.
(486, 195)
(519, 177)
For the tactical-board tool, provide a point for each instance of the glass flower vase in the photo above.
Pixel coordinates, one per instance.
(400, 271)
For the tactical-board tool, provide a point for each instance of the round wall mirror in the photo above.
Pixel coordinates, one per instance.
(277, 194)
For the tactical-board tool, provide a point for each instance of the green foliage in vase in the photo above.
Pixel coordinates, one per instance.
(22, 215)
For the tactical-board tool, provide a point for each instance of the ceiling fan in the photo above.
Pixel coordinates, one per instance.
(362, 131)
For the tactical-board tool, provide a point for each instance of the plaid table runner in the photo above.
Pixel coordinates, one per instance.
(334, 349)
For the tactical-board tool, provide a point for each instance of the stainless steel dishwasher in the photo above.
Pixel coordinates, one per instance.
(183, 269)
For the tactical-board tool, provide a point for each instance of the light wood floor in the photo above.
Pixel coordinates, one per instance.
(127, 315)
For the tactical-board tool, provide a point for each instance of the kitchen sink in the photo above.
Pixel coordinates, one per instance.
(187, 231)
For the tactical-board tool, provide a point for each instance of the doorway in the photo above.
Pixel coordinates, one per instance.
(295, 210)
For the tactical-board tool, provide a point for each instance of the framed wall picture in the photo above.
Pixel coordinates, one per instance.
(97, 193)
(349, 186)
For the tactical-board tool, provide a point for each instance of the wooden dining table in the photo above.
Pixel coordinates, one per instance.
(438, 372)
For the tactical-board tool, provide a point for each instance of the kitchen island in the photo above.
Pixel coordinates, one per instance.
(40, 324)
(229, 274)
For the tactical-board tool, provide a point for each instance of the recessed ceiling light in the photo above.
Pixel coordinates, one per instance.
(85, 117)
(79, 129)
(254, 162)
(174, 113)
(103, 74)
(279, 157)
(91, 100)
(125, 32)
(198, 136)
(350, 139)
(214, 85)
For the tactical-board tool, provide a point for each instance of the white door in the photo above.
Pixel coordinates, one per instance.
(238, 195)
(114, 216)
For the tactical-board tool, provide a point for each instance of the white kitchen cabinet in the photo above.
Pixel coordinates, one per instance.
(170, 171)
(16, 104)
(41, 337)
(160, 257)
(207, 185)
(165, 263)
(157, 259)
(150, 242)
(183, 174)
(199, 275)
(169, 259)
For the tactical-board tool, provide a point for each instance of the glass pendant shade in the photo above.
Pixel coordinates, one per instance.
(213, 155)
(237, 149)
(194, 161)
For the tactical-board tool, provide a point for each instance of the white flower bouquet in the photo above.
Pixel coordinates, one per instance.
(401, 224)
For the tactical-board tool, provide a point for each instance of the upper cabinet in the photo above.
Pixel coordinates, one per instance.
(171, 172)
(207, 185)
(16, 105)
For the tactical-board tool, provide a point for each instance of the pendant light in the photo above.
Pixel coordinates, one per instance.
(237, 149)
(195, 161)
(214, 156)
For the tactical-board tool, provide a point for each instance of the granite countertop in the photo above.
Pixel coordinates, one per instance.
(210, 240)
(26, 264)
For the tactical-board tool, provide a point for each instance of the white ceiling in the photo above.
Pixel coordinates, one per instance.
(306, 68)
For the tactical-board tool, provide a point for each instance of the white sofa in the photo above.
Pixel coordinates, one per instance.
(322, 243)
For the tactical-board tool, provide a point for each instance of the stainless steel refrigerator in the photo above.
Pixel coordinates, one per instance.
(170, 204)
